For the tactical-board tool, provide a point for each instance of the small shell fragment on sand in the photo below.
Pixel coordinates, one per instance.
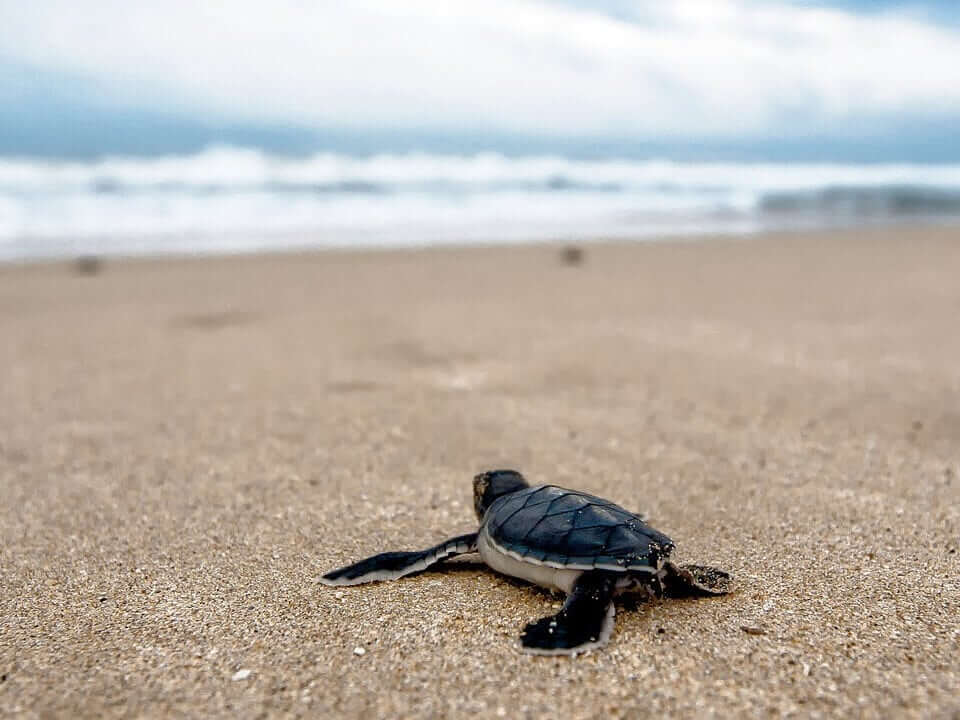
(240, 675)
(359, 651)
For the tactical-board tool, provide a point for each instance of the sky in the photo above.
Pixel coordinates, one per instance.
(703, 79)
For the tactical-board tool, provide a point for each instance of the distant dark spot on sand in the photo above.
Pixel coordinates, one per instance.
(14, 455)
(87, 265)
(415, 354)
(214, 320)
(572, 255)
(352, 386)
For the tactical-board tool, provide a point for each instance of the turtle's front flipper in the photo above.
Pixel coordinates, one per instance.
(694, 580)
(393, 565)
(584, 623)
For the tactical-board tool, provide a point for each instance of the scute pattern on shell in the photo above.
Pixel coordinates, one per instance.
(563, 527)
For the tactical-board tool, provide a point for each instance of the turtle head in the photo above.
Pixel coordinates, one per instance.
(488, 486)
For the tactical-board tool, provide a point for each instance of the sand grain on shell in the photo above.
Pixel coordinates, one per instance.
(785, 408)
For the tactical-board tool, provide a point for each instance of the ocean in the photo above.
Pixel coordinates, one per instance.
(230, 199)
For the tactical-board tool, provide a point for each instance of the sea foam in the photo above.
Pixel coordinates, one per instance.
(227, 199)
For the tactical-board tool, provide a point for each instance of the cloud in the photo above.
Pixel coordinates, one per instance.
(720, 68)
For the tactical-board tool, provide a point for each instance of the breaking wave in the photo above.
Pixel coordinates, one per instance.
(227, 199)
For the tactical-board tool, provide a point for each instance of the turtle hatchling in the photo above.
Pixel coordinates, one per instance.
(566, 540)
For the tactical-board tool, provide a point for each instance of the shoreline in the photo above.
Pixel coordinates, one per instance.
(277, 247)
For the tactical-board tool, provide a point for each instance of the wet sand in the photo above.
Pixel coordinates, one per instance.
(187, 445)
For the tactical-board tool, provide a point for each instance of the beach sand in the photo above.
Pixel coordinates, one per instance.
(187, 445)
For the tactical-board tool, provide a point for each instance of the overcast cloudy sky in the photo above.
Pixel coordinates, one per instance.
(92, 76)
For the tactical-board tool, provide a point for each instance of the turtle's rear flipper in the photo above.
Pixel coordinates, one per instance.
(584, 623)
(695, 581)
(393, 565)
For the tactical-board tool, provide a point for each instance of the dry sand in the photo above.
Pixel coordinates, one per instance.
(186, 445)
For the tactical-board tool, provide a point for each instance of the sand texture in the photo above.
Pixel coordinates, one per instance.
(187, 445)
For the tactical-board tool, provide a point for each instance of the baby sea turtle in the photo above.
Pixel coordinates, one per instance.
(582, 545)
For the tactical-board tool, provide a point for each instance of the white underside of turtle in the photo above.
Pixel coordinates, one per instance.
(562, 540)
(551, 576)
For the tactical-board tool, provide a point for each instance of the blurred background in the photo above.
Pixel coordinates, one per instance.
(198, 126)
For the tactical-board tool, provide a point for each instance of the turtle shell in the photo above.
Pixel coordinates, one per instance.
(563, 528)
